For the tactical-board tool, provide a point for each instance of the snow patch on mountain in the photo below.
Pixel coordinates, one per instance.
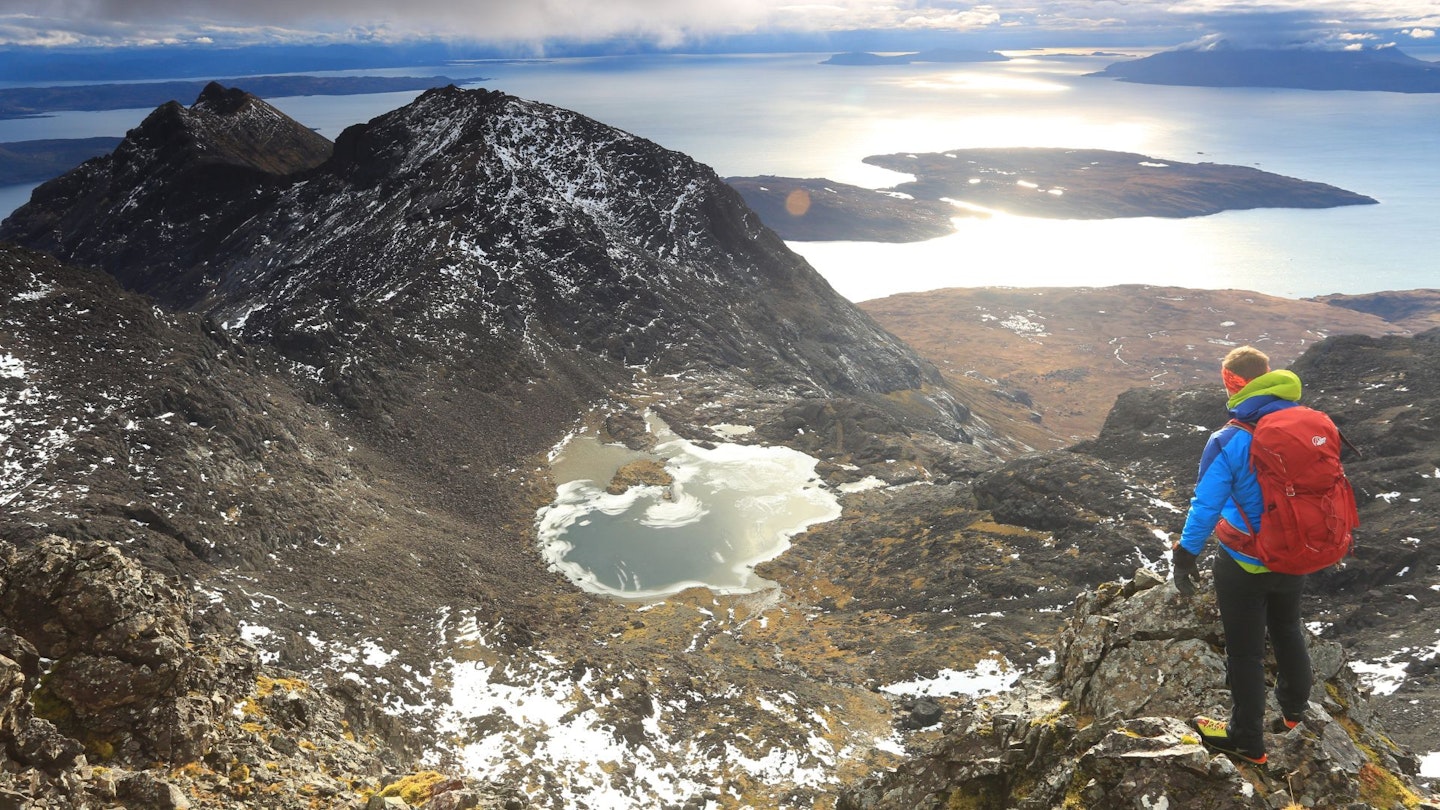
(988, 677)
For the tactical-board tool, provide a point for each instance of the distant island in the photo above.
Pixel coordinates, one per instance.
(36, 161)
(30, 102)
(1384, 69)
(863, 59)
(1090, 55)
(1049, 183)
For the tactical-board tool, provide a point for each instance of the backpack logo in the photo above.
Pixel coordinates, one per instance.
(1310, 515)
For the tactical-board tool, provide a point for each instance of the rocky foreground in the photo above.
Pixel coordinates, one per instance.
(184, 715)
(118, 690)
(1107, 726)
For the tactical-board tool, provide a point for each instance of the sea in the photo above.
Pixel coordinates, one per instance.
(790, 115)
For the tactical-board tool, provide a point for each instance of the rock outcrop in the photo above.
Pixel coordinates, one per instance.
(116, 690)
(153, 210)
(1108, 726)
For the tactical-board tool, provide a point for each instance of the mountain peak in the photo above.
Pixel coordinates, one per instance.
(221, 99)
(171, 189)
(233, 126)
(468, 227)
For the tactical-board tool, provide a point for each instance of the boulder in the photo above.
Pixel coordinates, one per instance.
(124, 659)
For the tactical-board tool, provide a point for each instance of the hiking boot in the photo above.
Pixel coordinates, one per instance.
(1216, 738)
(1283, 725)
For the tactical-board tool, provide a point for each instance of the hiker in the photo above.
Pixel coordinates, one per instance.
(1252, 597)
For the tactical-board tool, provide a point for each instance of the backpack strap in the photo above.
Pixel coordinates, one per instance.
(1248, 427)
(1349, 443)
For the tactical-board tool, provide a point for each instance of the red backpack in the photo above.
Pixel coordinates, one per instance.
(1310, 512)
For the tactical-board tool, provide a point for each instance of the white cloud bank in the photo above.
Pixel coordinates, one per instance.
(662, 22)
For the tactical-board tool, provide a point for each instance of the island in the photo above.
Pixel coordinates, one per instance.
(944, 55)
(24, 162)
(1034, 182)
(1383, 69)
(31, 102)
(820, 210)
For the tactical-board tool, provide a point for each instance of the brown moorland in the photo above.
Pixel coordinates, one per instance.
(1060, 356)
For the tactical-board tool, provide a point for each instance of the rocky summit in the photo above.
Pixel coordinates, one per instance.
(278, 417)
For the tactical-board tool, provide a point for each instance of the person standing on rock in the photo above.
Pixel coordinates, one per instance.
(1252, 598)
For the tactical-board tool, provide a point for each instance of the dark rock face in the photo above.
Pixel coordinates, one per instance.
(1108, 727)
(470, 236)
(129, 409)
(1053, 492)
(153, 210)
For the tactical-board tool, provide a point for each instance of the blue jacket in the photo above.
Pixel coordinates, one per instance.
(1227, 483)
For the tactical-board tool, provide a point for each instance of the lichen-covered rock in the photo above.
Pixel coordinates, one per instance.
(178, 717)
(124, 662)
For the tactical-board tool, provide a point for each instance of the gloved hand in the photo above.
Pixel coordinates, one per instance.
(1182, 564)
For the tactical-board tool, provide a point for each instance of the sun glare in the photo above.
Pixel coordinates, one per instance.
(983, 131)
(972, 82)
(992, 247)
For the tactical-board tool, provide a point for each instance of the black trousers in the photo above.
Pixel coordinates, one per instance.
(1251, 605)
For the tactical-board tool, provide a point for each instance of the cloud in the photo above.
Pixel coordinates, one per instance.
(672, 22)
(1292, 25)
(482, 19)
(1420, 33)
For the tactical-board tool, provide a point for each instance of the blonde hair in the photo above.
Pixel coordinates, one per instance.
(1247, 362)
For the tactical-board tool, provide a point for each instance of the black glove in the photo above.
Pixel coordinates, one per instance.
(1182, 564)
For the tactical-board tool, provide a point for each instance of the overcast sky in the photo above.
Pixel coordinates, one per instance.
(677, 22)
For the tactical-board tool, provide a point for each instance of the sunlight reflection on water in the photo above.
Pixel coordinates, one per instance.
(1006, 250)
